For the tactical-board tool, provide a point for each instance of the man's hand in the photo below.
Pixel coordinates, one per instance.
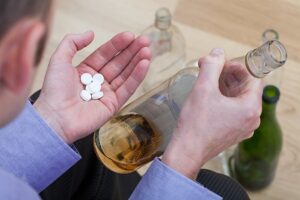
(123, 61)
(222, 109)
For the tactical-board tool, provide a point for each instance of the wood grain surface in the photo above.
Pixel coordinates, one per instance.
(235, 25)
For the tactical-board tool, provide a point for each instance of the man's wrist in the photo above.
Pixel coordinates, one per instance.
(51, 118)
(176, 158)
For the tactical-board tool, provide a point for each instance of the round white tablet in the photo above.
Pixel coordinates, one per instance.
(97, 95)
(86, 78)
(85, 95)
(89, 88)
(94, 87)
(99, 78)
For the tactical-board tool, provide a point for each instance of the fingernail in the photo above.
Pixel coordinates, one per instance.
(217, 52)
(129, 33)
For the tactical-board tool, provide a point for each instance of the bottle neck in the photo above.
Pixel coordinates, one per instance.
(266, 58)
(163, 19)
(271, 95)
(162, 25)
(270, 34)
(269, 110)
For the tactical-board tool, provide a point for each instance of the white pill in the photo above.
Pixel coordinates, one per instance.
(97, 95)
(99, 78)
(94, 87)
(90, 89)
(86, 78)
(85, 95)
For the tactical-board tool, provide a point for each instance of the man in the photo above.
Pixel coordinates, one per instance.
(35, 146)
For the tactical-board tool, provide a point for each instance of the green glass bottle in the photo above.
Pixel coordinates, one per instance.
(256, 159)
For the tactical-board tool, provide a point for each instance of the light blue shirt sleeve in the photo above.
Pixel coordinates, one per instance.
(12, 188)
(33, 152)
(163, 183)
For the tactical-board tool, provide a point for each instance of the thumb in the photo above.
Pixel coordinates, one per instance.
(70, 45)
(211, 66)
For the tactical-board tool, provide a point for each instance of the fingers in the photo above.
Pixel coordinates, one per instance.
(108, 50)
(211, 66)
(143, 54)
(250, 106)
(133, 81)
(112, 69)
(70, 45)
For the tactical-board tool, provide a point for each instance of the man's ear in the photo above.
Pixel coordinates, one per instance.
(18, 49)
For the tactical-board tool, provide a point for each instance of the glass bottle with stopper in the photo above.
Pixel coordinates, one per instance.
(168, 49)
(143, 129)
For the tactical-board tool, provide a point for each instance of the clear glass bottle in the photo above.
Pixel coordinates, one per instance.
(143, 129)
(168, 49)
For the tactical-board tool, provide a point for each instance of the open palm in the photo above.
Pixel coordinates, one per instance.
(123, 61)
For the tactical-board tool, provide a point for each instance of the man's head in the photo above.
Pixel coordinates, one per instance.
(23, 30)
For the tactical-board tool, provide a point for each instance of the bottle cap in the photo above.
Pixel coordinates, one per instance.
(163, 18)
(271, 94)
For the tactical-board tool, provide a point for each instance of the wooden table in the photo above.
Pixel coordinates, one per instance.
(235, 25)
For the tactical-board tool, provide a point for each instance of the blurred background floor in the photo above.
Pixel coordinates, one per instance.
(235, 25)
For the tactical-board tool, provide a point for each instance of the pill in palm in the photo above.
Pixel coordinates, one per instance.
(98, 78)
(97, 95)
(85, 95)
(86, 78)
(93, 86)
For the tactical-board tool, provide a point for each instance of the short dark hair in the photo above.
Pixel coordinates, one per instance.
(11, 11)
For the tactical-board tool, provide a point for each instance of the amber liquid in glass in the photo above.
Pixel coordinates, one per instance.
(130, 142)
